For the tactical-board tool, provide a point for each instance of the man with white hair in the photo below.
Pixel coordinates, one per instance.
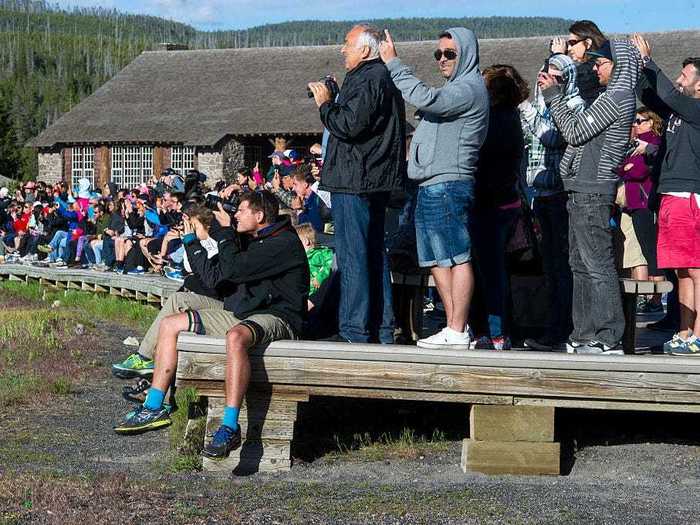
(364, 162)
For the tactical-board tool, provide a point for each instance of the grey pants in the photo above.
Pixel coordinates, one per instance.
(597, 300)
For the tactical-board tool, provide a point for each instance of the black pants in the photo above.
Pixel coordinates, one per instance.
(645, 228)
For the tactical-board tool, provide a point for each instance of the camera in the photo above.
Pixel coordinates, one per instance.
(229, 205)
(330, 83)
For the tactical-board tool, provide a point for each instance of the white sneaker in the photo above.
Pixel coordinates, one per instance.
(447, 338)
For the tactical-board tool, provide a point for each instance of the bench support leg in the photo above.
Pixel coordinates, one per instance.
(511, 440)
(629, 308)
(267, 427)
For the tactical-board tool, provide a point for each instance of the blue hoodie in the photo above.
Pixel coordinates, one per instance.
(454, 117)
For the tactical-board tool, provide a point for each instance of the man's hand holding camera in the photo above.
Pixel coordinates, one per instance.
(222, 217)
(320, 92)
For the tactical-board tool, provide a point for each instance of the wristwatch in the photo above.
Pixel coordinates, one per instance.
(645, 60)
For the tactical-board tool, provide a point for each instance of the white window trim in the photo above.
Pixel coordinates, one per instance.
(131, 166)
(82, 165)
(182, 159)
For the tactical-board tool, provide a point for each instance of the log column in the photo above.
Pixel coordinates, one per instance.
(511, 440)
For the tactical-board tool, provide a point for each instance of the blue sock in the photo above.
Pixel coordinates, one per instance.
(231, 417)
(154, 399)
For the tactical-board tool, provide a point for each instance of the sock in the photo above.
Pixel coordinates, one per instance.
(230, 417)
(154, 399)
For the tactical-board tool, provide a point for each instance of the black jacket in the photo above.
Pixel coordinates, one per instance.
(272, 273)
(366, 149)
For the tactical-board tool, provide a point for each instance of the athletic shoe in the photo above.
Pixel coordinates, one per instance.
(447, 339)
(689, 348)
(58, 263)
(651, 308)
(44, 248)
(572, 345)
(100, 267)
(596, 347)
(143, 419)
(175, 275)
(675, 342)
(545, 344)
(137, 392)
(493, 343)
(136, 271)
(224, 440)
(133, 366)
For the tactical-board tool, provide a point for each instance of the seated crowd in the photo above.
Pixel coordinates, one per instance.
(611, 186)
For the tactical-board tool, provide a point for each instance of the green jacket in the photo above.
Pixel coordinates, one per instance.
(320, 264)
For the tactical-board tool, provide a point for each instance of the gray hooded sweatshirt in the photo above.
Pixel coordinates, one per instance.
(599, 136)
(454, 117)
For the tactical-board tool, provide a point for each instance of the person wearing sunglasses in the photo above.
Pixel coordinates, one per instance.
(598, 139)
(679, 186)
(584, 36)
(443, 161)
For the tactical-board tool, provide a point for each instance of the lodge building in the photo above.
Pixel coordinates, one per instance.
(217, 110)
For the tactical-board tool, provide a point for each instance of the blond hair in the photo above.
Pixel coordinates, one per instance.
(307, 233)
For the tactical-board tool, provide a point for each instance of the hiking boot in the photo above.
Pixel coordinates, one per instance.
(598, 348)
(137, 392)
(545, 344)
(133, 366)
(689, 348)
(446, 339)
(223, 442)
(142, 419)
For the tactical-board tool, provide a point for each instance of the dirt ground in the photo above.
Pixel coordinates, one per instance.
(61, 463)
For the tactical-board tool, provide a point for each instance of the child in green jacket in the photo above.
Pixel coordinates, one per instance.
(320, 258)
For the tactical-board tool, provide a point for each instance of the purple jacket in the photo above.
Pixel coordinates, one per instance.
(636, 173)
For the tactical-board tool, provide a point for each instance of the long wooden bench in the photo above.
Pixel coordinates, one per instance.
(513, 395)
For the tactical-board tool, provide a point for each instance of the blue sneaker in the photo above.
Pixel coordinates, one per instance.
(136, 271)
(142, 419)
(175, 275)
(689, 348)
(223, 442)
(674, 344)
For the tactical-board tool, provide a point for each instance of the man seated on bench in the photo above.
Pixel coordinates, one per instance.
(269, 304)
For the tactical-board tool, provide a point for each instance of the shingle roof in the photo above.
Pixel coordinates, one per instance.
(198, 97)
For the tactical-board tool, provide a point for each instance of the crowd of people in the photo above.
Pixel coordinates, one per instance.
(610, 185)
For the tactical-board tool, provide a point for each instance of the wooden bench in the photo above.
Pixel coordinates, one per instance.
(513, 395)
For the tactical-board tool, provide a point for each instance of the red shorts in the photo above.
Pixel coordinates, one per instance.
(678, 244)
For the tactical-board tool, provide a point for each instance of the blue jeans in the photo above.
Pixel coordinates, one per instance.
(490, 233)
(443, 212)
(597, 301)
(59, 246)
(366, 312)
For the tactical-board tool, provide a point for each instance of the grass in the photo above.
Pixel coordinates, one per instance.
(404, 445)
(186, 449)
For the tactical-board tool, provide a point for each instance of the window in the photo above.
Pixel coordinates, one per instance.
(83, 165)
(182, 159)
(252, 154)
(131, 165)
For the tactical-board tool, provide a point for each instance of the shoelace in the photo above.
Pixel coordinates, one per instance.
(223, 433)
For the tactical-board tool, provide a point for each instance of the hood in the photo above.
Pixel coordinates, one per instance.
(568, 70)
(84, 188)
(628, 66)
(468, 53)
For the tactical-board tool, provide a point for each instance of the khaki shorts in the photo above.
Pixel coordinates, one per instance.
(632, 251)
(217, 322)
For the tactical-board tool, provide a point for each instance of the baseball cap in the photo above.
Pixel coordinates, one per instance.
(604, 51)
(277, 154)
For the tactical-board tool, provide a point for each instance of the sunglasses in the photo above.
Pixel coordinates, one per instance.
(639, 121)
(572, 43)
(449, 54)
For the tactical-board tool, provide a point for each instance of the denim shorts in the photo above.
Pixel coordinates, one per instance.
(443, 212)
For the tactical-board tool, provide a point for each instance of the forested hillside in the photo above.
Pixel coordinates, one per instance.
(51, 58)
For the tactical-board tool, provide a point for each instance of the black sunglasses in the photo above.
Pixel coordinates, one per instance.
(639, 121)
(572, 43)
(449, 54)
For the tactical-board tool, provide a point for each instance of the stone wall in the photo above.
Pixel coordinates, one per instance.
(50, 166)
(210, 161)
(234, 159)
